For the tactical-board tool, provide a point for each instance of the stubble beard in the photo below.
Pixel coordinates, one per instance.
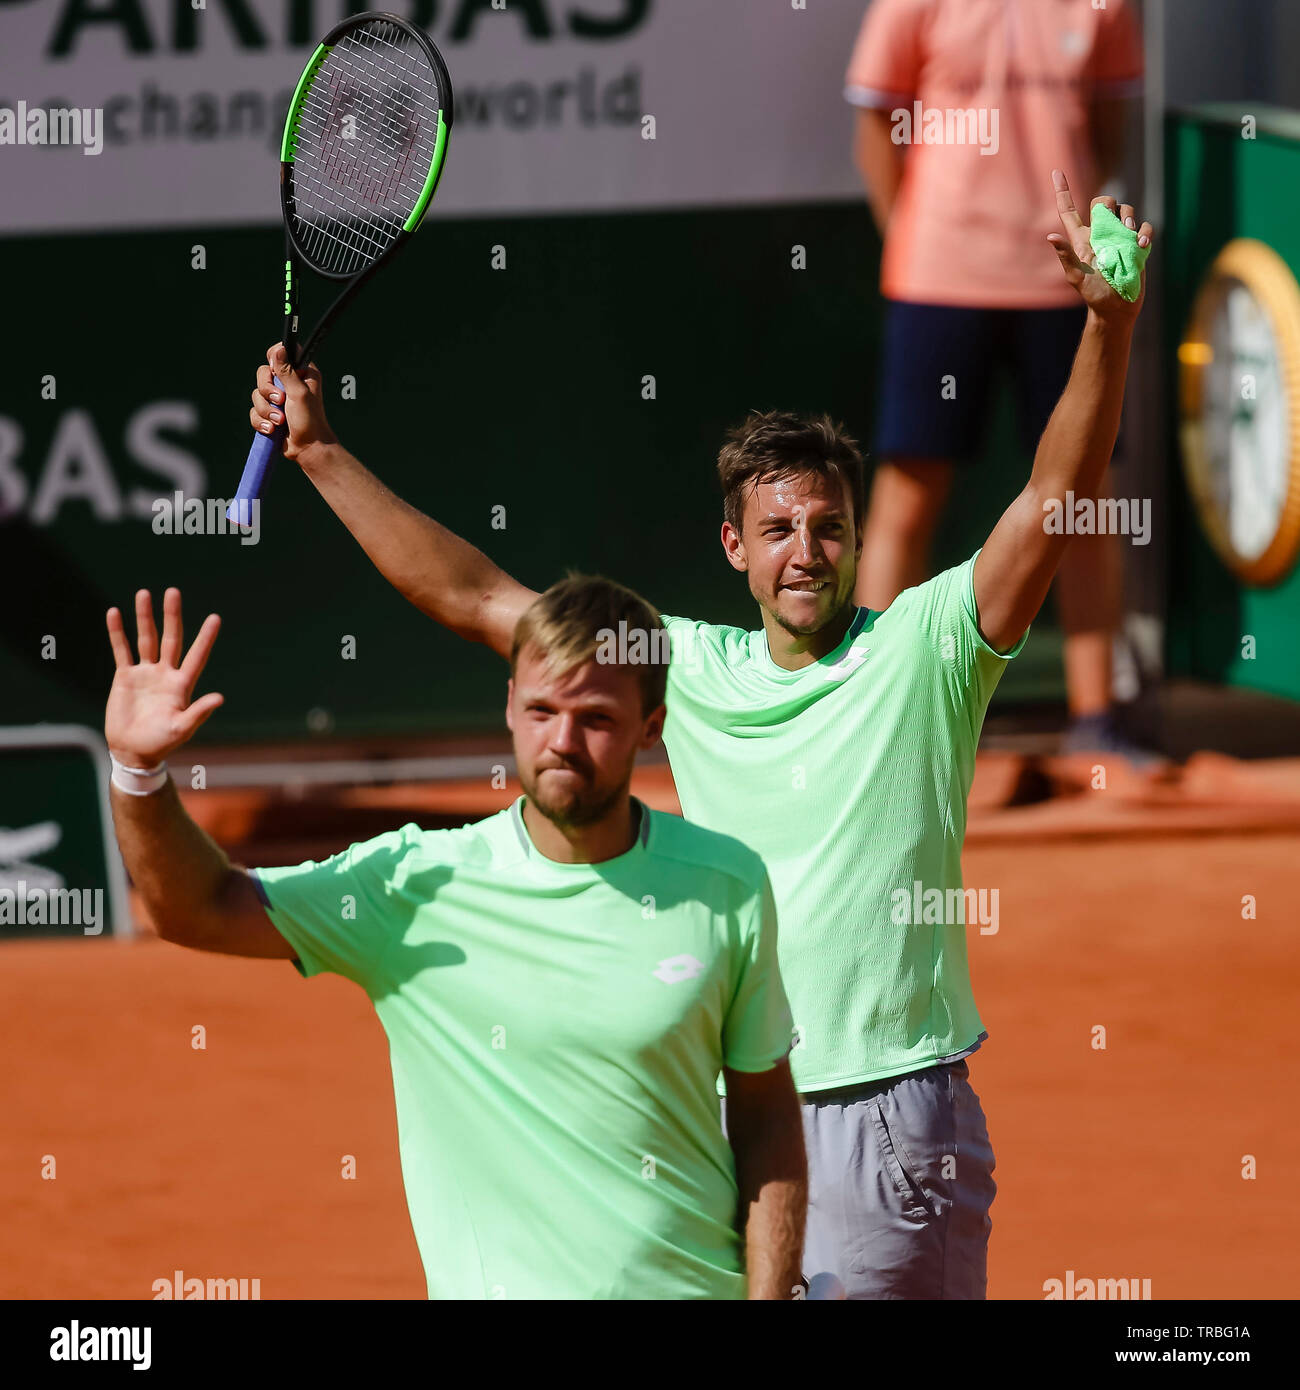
(582, 807)
(810, 629)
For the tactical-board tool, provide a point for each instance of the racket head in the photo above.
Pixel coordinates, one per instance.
(364, 143)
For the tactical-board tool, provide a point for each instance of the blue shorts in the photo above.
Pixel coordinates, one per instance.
(923, 344)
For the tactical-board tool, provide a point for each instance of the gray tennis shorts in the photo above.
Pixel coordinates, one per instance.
(900, 1181)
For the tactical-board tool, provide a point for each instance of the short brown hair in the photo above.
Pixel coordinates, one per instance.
(773, 444)
(583, 617)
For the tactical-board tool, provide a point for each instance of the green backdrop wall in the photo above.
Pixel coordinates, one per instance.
(475, 388)
(1221, 186)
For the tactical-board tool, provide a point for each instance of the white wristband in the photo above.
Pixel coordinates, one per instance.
(138, 781)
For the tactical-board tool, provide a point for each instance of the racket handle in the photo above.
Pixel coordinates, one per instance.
(257, 469)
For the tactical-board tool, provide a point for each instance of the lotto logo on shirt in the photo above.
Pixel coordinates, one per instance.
(847, 664)
(678, 968)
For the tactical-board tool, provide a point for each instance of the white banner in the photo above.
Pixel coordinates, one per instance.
(173, 113)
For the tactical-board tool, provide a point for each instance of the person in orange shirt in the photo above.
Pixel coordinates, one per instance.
(969, 104)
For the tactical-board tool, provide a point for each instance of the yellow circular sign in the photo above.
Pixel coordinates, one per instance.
(1239, 399)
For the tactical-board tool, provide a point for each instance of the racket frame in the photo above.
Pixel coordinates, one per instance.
(267, 447)
(295, 252)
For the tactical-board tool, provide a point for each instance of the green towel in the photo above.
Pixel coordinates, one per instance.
(1116, 252)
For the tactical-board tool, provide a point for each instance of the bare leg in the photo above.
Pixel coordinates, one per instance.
(1088, 597)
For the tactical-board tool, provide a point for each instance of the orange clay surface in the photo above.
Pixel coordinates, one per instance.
(227, 1161)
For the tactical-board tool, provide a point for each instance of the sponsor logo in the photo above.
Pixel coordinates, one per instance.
(678, 968)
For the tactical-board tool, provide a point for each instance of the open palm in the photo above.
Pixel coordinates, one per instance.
(1074, 246)
(149, 712)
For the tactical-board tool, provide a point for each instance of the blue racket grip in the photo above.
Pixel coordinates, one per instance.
(257, 469)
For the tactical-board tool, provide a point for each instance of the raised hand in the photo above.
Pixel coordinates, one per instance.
(149, 713)
(1075, 251)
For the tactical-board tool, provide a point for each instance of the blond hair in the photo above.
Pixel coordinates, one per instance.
(586, 617)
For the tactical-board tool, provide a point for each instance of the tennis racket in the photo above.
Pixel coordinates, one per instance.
(363, 148)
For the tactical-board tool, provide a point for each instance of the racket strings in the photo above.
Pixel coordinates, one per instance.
(385, 81)
(357, 181)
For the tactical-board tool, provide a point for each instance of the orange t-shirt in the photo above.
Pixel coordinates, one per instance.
(1015, 78)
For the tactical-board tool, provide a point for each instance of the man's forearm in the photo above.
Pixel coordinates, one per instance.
(1080, 436)
(1016, 565)
(179, 872)
(441, 574)
(772, 1175)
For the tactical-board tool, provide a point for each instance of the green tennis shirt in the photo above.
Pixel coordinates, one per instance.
(555, 1033)
(849, 778)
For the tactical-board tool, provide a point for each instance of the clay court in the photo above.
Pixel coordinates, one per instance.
(1118, 909)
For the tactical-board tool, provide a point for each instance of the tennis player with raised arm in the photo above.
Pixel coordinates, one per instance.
(560, 983)
(839, 743)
